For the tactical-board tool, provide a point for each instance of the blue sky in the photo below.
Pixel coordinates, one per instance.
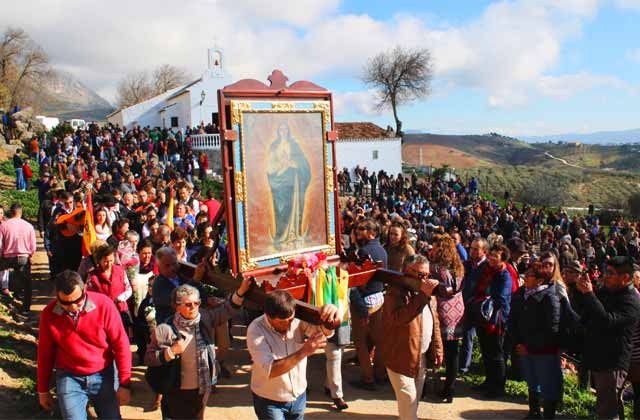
(517, 67)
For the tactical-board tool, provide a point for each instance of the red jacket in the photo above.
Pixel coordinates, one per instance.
(110, 287)
(86, 347)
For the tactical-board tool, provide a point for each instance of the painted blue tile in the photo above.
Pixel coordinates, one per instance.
(241, 230)
(268, 263)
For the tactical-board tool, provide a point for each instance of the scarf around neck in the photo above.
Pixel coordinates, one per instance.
(193, 326)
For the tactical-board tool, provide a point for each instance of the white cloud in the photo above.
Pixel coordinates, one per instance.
(628, 4)
(361, 102)
(566, 86)
(506, 53)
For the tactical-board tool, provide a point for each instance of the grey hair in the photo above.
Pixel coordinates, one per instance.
(133, 235)
(165, 250)
(182, 292)
(415, 259)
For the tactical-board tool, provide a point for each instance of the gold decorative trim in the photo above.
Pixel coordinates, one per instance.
(238, 108)
(245, 264)
(282, 106)
(240, 187)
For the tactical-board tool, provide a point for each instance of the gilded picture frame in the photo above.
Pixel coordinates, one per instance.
(283, 180)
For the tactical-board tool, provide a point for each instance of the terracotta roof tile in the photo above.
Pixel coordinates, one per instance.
(360, 130)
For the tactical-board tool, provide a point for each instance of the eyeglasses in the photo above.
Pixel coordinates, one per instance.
(548, 264)
(73, 302)
(422, 275)
(191, 304)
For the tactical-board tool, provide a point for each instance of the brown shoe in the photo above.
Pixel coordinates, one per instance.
(340, 404)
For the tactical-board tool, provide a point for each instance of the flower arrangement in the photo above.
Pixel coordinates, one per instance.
(306, 264)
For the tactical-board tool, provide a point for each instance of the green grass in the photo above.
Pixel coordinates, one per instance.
(577, 403)
(28, 200)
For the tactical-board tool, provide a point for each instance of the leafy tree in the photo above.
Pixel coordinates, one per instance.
(400, 76)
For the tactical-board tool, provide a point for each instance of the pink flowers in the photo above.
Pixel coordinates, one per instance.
(306, 263)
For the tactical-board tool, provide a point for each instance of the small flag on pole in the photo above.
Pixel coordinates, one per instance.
(89, 232)
(170, 210)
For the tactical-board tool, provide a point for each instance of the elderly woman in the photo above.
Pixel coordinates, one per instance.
(188, 340)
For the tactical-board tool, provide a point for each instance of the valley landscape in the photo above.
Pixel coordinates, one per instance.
(550, 173)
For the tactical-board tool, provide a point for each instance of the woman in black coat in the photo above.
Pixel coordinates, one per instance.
(535, 328)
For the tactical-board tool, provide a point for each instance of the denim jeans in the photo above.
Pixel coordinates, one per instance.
(20, 182)
(544, 374)
(75, 391)
(466, 350)
(276, 410)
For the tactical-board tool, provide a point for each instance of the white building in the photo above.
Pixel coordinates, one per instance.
(367, 145)
(187, 105)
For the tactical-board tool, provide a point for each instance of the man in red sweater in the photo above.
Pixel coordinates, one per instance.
(81, 335)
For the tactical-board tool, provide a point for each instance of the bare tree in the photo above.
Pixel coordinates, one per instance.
(167, 76)
(133, 89)
(400, 76)
(24, 68)
(140, 86)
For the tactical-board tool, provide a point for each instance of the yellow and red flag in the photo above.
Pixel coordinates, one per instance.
(169, 221)
(89, 232)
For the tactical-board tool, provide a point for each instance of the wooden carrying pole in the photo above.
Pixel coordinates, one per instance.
(304, 311)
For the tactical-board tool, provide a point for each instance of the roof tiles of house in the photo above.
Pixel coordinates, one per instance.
(360, 130)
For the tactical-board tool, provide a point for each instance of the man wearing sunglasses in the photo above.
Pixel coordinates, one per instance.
(81, 335)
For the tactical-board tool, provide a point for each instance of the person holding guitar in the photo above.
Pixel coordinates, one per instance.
(66, 225)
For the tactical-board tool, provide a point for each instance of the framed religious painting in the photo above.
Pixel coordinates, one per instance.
(283, 180)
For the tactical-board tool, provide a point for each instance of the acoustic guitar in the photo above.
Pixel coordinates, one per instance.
(72, 223)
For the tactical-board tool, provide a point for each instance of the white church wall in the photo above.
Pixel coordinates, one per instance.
(178, 107)
(373, 154)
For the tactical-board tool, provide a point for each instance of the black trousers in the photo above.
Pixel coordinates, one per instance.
(452, 364)
(491, 347)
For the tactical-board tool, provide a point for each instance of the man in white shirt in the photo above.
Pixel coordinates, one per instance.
(279, 345)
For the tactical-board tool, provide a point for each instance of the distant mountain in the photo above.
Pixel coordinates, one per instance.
(67, 97)
(600, 137)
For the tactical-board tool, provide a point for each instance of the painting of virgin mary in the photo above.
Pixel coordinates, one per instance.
(289, 175)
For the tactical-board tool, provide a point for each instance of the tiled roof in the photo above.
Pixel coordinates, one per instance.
(360, 130)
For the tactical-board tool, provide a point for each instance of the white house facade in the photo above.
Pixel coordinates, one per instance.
(187, 105)
(367, 145)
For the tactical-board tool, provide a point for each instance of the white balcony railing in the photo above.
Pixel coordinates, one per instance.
(205, 141)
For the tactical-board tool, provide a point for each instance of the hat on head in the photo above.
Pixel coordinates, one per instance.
(517, 245)
(575, 266)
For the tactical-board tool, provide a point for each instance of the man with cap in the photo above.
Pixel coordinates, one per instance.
(610, 315)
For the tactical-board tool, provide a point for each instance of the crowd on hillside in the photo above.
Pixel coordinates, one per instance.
(531, 284)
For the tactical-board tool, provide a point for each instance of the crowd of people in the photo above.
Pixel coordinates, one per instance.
(535, 286)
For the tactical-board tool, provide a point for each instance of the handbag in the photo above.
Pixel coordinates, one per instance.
(166, 377)
(481, 311)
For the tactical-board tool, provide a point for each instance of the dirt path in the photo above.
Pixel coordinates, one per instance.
(233, 397)
(564, 161)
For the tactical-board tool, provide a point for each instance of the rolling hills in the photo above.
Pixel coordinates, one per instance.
(574, 174)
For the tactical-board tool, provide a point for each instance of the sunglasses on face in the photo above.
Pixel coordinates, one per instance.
(72, 302)
(191, 304)
(362, 228)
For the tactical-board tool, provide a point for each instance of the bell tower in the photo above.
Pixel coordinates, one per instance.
(215, 67)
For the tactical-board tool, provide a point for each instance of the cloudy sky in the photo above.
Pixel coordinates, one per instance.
(520, 67)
